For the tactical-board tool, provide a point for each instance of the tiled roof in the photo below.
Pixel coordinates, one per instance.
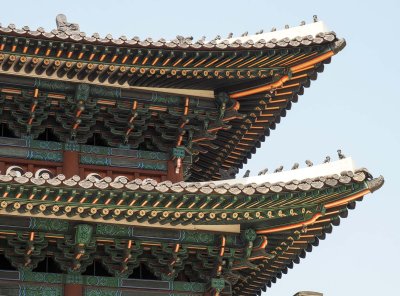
(219, 188)
(180, 42)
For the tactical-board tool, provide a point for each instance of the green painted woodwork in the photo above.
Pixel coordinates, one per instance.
(96, 150)
(93, 155)
(105, 92)
(181, 236)
(198, 237)
(102, 292)
(198, 256)
(47, 145)
(29, 290)
(58, 278)
(160, 132)
(188, 286)
(122, 162)
(151, 155)
(217, 284)
(73, 278)
(77, 118)
(122, 259)
(53, 85)
(168, 262)
(19, 152)
(45, 155)
(253, 212)
(28, 113)
(36, 145)
(99, 281)
(178, 152)
(25, 253)
(249, 235)
(41, 277)
(75, 253)
(62, 86)
(140, 72)
(110, 282)
(83, 235)
(82, 92)
(49, 225)
(71, 146)
(114, 230)
(84, 159)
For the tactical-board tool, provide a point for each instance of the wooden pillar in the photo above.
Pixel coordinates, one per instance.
(71, 163)
(73, 290)
(2, 167)
(172, 175)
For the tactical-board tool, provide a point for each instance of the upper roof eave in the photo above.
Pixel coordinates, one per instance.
(324, 175)
(310, 34)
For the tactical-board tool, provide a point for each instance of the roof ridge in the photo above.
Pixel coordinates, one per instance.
(315, 32)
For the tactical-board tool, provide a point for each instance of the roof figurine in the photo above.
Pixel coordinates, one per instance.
(295, 166)
(327, 159)
(263, 172)
(340, 154)
(228, 174)
(64, 26)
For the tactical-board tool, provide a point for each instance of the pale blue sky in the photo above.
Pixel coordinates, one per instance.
(353, 105)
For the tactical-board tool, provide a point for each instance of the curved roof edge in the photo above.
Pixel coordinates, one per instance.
(324, 169)
(312, 29)
(305, 34)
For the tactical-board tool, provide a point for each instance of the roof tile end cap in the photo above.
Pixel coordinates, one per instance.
(376, 183)
(338, 45)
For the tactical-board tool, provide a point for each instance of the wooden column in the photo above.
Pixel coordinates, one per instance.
(2, 167)
(73, 290)
(71, 163)
(172, 175)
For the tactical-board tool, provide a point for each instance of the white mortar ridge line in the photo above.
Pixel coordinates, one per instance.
(309, 29)
(320, 170)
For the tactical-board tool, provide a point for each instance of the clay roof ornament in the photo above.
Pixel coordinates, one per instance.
(295, 166)
(228, 174)
(64, 26)
(340, 154)
(327, 159)
(263, 172)
(184, 40)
